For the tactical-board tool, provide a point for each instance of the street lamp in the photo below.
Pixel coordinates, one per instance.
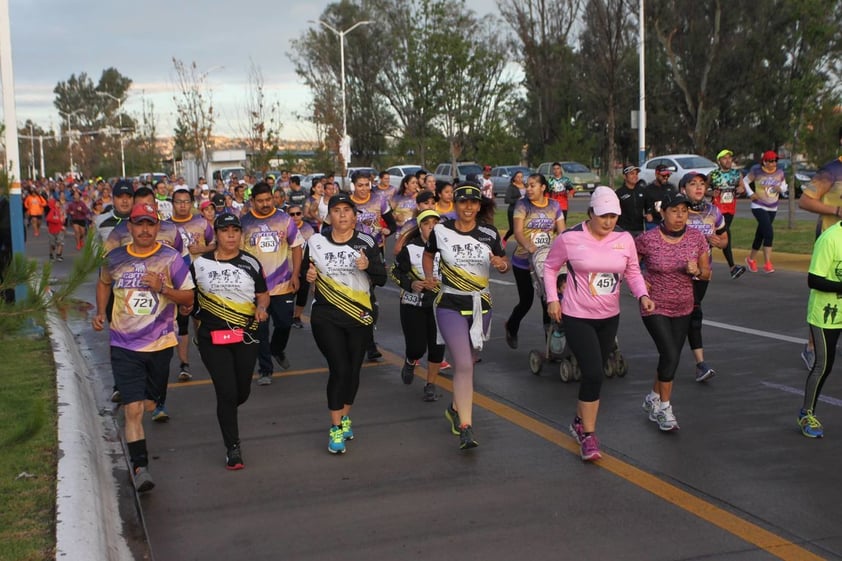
(67, 117)
(345, 144)
(119, 101)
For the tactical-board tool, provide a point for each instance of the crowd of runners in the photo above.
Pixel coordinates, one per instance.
(238, 263)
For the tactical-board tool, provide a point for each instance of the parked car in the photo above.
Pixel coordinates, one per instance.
(397, 173)
(308, 180)
(152, 178)
(445, 172)
(582, 178)
(678, 164)
(501, 177)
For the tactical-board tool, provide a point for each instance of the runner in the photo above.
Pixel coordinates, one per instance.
(384, 189)
(197, 235)
(232, 301)
(271, 235)
(823, 196)
(537, 221)
(147, 280)
(770, 184)
(403, 201)
(468, 246)
(34, 205)
(296, 212)
(707, 219)
(56, 218)
(444, 198)
(673, 256)
(423, 201)
(418, 319)
(560, 187)
(598, 257)
(514, 192)
(825, 321)
(726, 183)
(80, 216)
(344, 264)
(632, 197)
(654, 192)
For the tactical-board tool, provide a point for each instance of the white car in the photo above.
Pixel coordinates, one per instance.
(678, 164)
(397, 173)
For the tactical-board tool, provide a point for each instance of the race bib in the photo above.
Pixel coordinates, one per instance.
(727, 197)
(411, 298)
(141, 302)
(541, 239)
(602, 284)
(267, 243)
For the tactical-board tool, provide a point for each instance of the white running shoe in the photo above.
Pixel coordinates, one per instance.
(666, 419)
(651, 405)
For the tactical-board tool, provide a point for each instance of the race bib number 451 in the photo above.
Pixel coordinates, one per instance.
(602, 284)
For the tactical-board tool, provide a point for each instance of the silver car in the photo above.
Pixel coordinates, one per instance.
(501, 177)
(678, 165)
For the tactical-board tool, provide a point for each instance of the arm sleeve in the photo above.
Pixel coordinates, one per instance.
(376, 267)
(746, 181)
(823, 284)
(401, 270)
(389, 218)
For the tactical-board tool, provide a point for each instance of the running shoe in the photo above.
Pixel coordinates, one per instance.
(589, 448)
(737, 271)
(704, 372)
(809, 424)
(651, 404)
(336, 441)
(430, 393)
(751, 264)
(347, 431)
(452, 416)
(234, 458)
(768, 267)
(577, 430)
(374, 355)
(281, 360)
(408, 372)
(116, 396)
(444, 365)
(665, 418)
(143, 479)
(59, 258)
(52, 257)
(160, 415)
(264, 379)
(511, 338)
(466, 438)
(296, 323)
(809, 357)
(184, 374)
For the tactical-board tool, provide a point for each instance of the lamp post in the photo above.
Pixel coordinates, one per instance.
(119, 101)
(345, 144)
(67, 117)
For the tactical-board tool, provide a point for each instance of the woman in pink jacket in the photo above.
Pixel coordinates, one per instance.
(598, 257)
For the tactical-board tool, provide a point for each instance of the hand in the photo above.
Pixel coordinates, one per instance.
(499, 263)
(646, 304)
(430, 283)
(312, 273)
(98, 322)
(418, 286)
(185, 310)
(295, 282)
(153, 281)
(362, 262)
(693, 268)
(554, 310)
(261, 315)
(717, 241)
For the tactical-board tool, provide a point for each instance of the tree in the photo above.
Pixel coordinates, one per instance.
(194, 107)
(607, 56)
(262, 123)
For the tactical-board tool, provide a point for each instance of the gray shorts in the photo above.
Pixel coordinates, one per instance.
(57, 239)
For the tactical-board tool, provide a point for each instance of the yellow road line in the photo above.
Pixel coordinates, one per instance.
(286, 374)
(731, 523)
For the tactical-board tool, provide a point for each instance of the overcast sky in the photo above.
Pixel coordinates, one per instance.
(52, 39)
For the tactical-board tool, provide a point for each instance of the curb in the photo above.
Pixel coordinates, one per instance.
(88, 520)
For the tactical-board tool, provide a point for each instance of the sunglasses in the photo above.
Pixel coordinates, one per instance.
(770, 161)
(295, 214)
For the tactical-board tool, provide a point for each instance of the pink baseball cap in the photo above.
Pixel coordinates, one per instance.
(604, 201)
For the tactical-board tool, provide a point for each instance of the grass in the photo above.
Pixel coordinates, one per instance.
(797, 240)
(28, 441)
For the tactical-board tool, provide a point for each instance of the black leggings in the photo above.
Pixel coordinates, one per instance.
(526, 295)
(726, 251)
(591, 341)
(510, 215)
(765, 233)
(694, 333)
(230, 367)
(668, 333)
(344, 347)
(825, 342)
(419, 333)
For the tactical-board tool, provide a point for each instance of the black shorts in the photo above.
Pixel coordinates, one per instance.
(82, 223)
(140, 375)
(183, 323)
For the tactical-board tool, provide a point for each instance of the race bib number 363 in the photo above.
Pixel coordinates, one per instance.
(141, 302)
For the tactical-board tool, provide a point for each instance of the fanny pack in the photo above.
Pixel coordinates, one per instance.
(226, 336)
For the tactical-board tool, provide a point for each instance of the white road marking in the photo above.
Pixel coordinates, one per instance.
(796, 391)
(758, 332)
(504, 283)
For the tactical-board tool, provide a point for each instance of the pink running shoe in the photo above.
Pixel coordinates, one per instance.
(751, 264)
(577, 430)
(590, 448)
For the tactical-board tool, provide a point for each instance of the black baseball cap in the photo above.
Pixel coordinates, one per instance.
(341, 198)
(674, 199)
(424, 196)
(467, 191)
(122, 187)
(226, 219)
(218, 200)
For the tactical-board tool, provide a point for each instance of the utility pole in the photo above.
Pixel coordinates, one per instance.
(119, 101)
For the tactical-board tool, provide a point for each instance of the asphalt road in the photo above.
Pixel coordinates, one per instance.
(737, 482)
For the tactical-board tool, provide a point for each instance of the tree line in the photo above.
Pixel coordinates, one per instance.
(430, 81)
